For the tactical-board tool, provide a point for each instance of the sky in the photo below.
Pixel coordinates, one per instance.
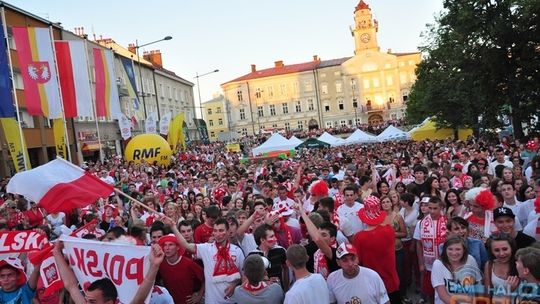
(231, 35)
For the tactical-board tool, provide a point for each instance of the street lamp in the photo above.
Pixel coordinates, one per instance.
(137, 46)
(355, 103)
(199, 88)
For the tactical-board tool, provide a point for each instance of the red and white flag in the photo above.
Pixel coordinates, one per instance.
(74, 81)
(49, 276)
(21, 241)
(59, 186)
(125, 265)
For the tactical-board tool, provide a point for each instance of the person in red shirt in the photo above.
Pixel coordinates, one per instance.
(375, 246)
(203, 232)
(180, 274)
(34, 215)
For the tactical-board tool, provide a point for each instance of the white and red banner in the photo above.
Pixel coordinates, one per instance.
(74, 81)
(164, 123)
(49, 275)
(150, 123)
(21, 241)
(124, 125)
(59, 186)
(125, 265)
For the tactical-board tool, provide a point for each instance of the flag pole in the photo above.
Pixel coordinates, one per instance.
(134, 200)
(14, 90)
(60, 94)
(94, 101)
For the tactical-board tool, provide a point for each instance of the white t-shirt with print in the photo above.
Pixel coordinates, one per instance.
(441, 276)
(308, 290)
(366, 287)
(215, 292)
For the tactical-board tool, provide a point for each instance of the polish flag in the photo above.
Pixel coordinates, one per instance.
(74, 81)
(59, 186)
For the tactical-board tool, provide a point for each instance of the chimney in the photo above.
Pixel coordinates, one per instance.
(315, 58)
(131, 48)
(154, 57)
(389, 51)
(278, 64)
(253, 68)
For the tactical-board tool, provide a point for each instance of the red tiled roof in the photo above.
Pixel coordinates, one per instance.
(404, 54)
(286, 69)
(361, 5)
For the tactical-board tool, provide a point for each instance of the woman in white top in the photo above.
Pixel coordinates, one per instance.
(500, 271)
(56, 220)
(455, 272)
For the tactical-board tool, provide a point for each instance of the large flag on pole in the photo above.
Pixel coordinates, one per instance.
(127, 63)
(38, 70)
(107, 100)
(74, 81)
(59, 186)
(7, 109)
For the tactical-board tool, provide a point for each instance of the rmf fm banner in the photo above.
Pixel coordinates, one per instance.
(17, 147)
(59, 137)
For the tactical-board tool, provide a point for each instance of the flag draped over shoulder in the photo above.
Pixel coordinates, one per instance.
(59, 186)
(36, 61)
(107, 100)
(74, 81)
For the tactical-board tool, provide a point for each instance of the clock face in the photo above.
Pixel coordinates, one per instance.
(365, 37)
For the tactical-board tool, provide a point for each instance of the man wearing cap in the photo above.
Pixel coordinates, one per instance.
(177, 268)
(344, 283)
(504, 221)
(15, 288)
(375, 246)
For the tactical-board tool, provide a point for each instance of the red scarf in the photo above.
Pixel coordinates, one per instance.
(288, 233)
(320, 263)
(432, 234)
(256, 288)
(225, 269)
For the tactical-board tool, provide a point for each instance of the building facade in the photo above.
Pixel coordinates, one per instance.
(216, 115)
(368, 88)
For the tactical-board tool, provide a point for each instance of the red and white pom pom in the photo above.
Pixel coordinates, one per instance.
(319, 188)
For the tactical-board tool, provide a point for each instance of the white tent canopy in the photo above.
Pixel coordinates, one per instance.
(276, 142)
(392, 133)
(295, 141)
(360, 137)
(332, 140)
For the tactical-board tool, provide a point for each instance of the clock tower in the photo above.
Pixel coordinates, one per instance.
(364, 29)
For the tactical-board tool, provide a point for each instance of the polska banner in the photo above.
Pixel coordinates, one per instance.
(60, 137)
(16, 145)
(125, 265)
(21, 241)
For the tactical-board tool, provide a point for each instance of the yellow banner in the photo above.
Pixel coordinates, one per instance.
(233, 147)
(60, 137)
(176, 134)
(17, 149)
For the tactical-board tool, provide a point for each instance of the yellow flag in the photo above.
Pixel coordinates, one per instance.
(175, 132)
(17, 148)
(59, 137)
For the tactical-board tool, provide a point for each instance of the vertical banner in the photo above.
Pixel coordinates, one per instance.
(38, 71)
(127, 63)
(7, 109)
(150, 123)
(60, 137)
(176, 135)
(164, 123)
(124, 124)
(17, 147)
(107, 100)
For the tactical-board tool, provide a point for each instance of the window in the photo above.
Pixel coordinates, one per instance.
(366, 83)
(298, 106)
(300, 125)
(328, 124)
(339, 88)
(283, 89)
(310, 105)
(405, 97)
(326, 107)
(341, 106)
(357, 121)
(343, 123)
(274, 126)
(239, 96)
(285, 107)
(168, 92)
(18, 81)
(174, 94)
(272, 110)
(220, 121)
(403, 77)
(376, 83)
(355, 103)
(244, 131)
(337, 73)
(212, 134)
(389, 80)
(218, 110)
(295, 87)
(11, 42)
(353, 85)
(209, 111)
(260, 111)
(324, 88)
(210, 123)
(258, 93)
(161, 92)
(242, 114)
(394, 116)
(270, 92)
(308, 87)
(287, 126)
(322, 75)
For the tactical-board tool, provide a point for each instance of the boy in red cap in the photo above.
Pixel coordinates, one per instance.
(15, 288)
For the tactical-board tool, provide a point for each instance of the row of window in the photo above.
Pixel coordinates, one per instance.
(211, 122)
(284, 108)
(210, 111)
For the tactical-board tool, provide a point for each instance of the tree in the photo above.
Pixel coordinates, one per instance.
(481, 63)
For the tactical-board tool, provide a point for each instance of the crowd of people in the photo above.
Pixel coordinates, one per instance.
(396, 222)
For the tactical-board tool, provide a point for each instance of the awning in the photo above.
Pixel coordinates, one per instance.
(86, 147)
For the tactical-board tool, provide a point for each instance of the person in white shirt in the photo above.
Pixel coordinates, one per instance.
(499, 160)
(309, 287)
(349, 210)
(344, 283)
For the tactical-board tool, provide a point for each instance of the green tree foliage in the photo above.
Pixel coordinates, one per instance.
(481, 61)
